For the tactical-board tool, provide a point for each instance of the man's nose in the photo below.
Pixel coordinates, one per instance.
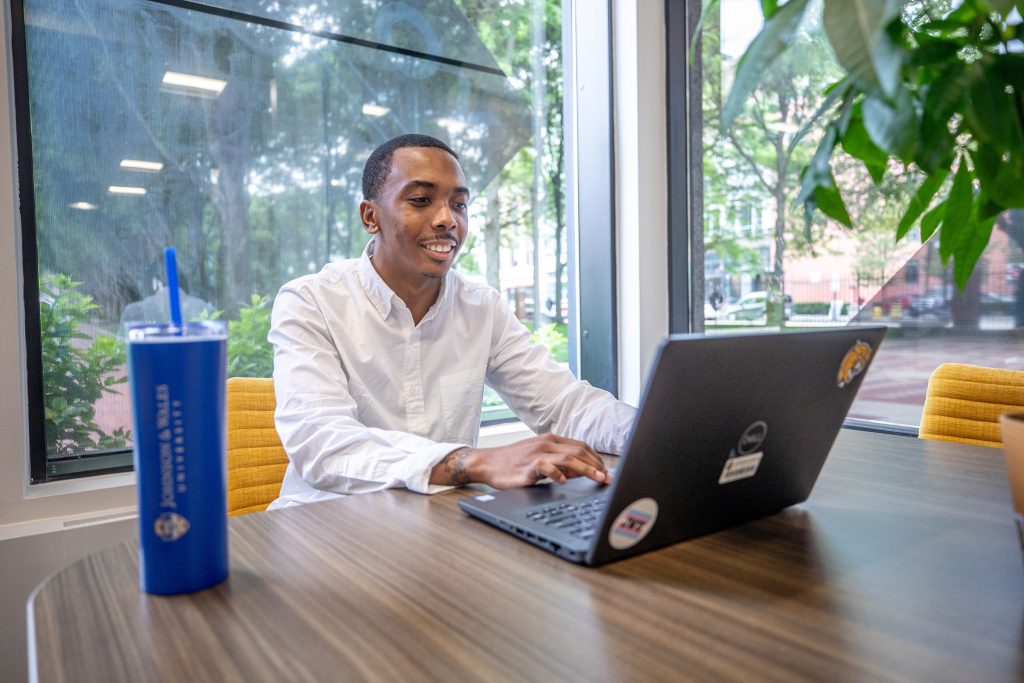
(445, 216)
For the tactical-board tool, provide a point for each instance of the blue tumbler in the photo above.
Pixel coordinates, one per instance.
(177, 379)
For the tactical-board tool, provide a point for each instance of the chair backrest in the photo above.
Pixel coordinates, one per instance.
(964, 403)
(256, 458)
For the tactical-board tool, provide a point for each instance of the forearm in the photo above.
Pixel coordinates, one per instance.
(332, 451)
(520, 464)
(454, 469)
(548, 398)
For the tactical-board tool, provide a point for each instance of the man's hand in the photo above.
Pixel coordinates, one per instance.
(521, 464)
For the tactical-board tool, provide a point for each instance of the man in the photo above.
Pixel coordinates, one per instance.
(380, 362)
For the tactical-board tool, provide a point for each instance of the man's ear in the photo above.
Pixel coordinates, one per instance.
(368, 214)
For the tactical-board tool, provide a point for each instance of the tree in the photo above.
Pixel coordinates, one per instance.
(770, 140)
(930, 84)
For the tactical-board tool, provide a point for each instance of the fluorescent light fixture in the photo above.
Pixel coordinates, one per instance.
(126, 189)
(83, 206)
(136, 165)
(375, 110)
(195, 85)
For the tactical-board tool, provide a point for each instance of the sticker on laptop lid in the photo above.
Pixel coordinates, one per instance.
(633, 524)
(740, 467)
(854, 362)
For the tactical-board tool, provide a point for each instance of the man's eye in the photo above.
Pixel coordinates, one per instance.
(419, 200)
(461, 206)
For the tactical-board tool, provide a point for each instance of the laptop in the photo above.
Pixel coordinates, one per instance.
(730, 429)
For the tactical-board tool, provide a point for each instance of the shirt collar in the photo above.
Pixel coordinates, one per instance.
(381, 296)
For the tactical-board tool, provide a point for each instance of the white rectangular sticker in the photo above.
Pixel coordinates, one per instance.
(742, 467)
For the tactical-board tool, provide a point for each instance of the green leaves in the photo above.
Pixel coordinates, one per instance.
(1001, 175)
(830, 202)
(922, 198)
(967, 222)
(858, 144)
(75, 374)
(974, 242)
(958, 211)
(893, 128)
(1001, 6)
(938, 96)
(990, 111)
(249, 352)
(776, 35)
(856, 30)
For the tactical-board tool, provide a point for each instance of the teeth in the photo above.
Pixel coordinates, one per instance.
(442, 248)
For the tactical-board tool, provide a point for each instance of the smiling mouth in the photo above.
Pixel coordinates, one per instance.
(445, 247)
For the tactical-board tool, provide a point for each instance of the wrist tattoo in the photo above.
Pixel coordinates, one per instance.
(455, 467)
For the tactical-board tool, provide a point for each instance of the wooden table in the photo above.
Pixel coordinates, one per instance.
(903, 565)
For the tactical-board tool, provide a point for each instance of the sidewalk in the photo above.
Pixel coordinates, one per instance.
(895, 388)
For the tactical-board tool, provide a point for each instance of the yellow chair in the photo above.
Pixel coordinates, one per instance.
(256, 458)
(964, 403)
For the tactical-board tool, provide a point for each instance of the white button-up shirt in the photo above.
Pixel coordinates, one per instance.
(366, 400)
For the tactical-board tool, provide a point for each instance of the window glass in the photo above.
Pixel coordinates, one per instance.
(764, 267)
(237, 132)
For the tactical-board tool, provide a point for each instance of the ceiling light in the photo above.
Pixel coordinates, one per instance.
(123, 189)
(136, 165)
(193, 85)
(375, 110)
(83, 206)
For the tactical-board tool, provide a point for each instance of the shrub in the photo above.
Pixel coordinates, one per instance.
(552, 336)
(249, 352)
(78, 369)
(817, 308)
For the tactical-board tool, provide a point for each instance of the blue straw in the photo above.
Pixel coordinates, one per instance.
(171, 265)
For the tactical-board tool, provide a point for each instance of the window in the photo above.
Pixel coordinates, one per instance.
(237, 131)
(822, 274)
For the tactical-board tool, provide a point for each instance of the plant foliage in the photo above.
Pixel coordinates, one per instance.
(937, 91)
(249, 352)
(78, 369)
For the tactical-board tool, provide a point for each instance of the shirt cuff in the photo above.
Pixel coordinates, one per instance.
(417, 467)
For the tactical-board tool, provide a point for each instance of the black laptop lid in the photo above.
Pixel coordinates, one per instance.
(731, 428)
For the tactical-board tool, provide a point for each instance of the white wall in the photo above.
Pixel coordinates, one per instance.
(28, 509)
(43, 528)
(641, 159)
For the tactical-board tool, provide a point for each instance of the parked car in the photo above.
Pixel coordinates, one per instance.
(752, 306)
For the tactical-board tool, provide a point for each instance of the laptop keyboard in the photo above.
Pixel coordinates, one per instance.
(579, 518)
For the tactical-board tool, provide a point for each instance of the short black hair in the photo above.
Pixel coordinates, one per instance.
(378, 166)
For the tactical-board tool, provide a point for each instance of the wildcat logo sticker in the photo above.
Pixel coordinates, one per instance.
(854, 362)
(633, 524)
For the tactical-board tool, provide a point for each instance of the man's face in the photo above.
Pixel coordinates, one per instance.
(420, 216)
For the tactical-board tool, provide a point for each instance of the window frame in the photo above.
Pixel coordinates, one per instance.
(589, 201)
(684, 84)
